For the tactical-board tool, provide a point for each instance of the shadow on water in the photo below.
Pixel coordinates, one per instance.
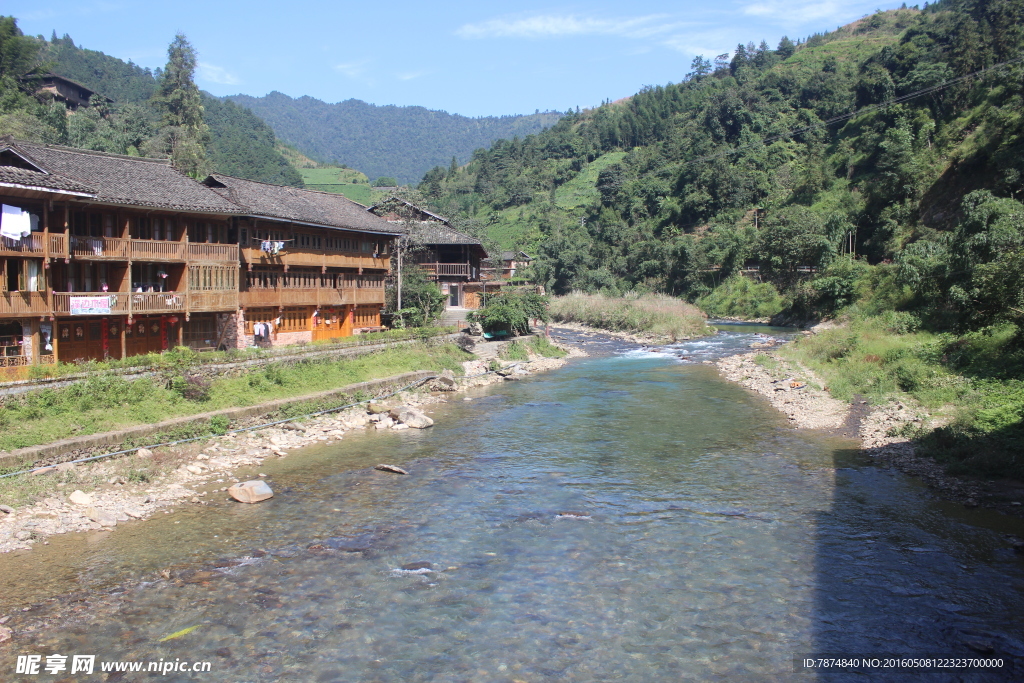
(900, 575)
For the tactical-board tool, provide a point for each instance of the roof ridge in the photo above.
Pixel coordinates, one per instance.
(91, 152)
(291, 187)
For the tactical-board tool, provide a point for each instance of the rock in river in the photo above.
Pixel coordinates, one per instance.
(411, 416)
(250, 491)
(390, 468)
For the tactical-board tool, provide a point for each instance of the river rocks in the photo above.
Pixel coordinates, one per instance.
(445, 382)
(79, 497)
(251, 491)
(5, 634)
(23, 535)
(377, 408)
(194, 469)
(411, 416)
(143, 453)
(805, 406)
(6, 509)
(390, 468)
(101, 516)
(413, 566)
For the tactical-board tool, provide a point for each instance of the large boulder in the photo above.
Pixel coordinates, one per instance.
(250, 491)
(101, 516)
(411, 416)
(444, 382)
(377, 408)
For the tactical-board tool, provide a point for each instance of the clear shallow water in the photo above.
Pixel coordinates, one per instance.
(705, 540)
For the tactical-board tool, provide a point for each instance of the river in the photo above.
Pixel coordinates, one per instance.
(630, 517)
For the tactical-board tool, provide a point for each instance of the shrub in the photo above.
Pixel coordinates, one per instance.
(511, 312)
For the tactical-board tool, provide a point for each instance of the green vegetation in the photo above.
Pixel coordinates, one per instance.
(905, 218)
(402, 142)
(183, 358)
(542, 346)
(973, 380)
(511, 311)
(103, 402)
(740, 297)
(422, 300)
(514, 350)
(346, 181)
(656, 314)
(155, 114)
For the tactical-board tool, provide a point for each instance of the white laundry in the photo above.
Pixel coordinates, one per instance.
(15, 223)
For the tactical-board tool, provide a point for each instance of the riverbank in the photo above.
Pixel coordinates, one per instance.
(886, 432)
(97, 496)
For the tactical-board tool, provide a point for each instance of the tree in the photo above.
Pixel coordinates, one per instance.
(19, 63)
(186, 134)
(385, 181)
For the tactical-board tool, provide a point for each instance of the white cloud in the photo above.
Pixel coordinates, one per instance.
(800, 11)
(217, 74)
(351, 69)
(410, 75)
(550, 26)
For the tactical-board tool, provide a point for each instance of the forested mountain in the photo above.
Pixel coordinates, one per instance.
(402, 142)
(239, 143)
(913, 195)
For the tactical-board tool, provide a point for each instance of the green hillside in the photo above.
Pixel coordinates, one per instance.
(347, 181)
(873, 175)
(400, 142)
(238, 144)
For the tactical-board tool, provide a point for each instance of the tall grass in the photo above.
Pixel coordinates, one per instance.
(973, 379)
(656, 314)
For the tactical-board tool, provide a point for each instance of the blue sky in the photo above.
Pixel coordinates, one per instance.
(470, 58)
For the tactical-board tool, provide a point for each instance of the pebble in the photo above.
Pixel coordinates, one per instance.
(390, 468)
(5, 634)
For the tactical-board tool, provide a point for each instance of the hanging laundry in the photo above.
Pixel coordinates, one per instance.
(265, 246)
(276, 248)
(15, 223)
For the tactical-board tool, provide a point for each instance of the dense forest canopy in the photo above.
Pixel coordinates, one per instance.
(137, 120)
(401, 142)
(737, 167)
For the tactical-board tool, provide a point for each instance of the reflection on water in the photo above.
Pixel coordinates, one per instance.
(628, 518)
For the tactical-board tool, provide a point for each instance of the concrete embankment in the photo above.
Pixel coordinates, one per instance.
(101, 494)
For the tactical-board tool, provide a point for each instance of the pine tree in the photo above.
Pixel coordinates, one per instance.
(186, 133)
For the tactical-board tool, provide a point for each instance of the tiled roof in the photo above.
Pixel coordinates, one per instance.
(515, 256)
(430, 232)
(133, 181)
(23, 177)
(293, 204)
(385, 207)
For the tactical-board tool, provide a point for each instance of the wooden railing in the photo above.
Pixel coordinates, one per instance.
(316, 258)
(23, 303)
(155, 250)
(123, 303)
(121, 249)
(219, 300)
(453, 269)
(358, 292)
(111, 248)
(212, 252)
(33, 245)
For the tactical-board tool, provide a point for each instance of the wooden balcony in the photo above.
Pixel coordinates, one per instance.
(24, 304)
(316, 259)
(119, 303)
(206, 301)
(446, 269)
(34, 245)
(121, 249)
(286, 296)
(213, 252)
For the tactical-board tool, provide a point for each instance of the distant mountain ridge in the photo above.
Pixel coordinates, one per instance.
(389, 140)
